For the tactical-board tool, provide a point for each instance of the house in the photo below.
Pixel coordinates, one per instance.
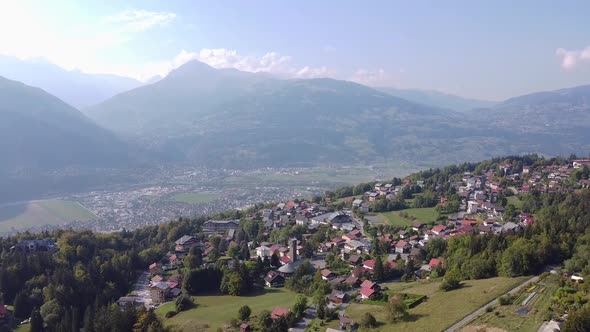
(185, 243)
(279, 312)
(274, 279)
(357, 203)
(434, 262)
(327, 274)
(155, 269)
(402, 246)
(365, 207)
(353, 281)
(370, 285)
(354, 246)
(337, 297)
(336, 281)
(125, 301)
(263, 251)
(510, 227)
(402, 234)
(368, 293)
(369, 264)
(439, 229)
(245, 327)
(215, 226)
(354, 260)
(352, 235)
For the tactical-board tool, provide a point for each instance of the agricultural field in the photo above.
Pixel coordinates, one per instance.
(196, 198)
(441, 309)
(521, 315)
(214, 311)
(424, 215)
(39, 213)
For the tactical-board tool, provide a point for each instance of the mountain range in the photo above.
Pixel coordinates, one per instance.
(74, 87)
(438, 99)
(199, 115)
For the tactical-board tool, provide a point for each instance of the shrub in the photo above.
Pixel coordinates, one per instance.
(368, 320)
(506, 300)
(489, 309)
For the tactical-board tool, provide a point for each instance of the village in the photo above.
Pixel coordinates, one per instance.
(358, 250)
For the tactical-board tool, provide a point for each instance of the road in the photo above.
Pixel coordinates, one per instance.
(457, 326)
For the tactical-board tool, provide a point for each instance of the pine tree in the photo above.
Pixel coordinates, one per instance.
(378, 274)
(36, 321)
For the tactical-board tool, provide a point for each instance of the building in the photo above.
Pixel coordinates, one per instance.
(30, 246)
(159, 292)
(185, 243)
(279, 312)
(274, 279)
(218, 226)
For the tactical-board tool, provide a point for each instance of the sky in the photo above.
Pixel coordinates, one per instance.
(479, 49)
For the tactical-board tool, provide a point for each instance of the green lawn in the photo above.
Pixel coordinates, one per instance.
(425, 215)
(509, 320)
(514, 200)
(23, 328)
(194, 198)
(38, 213)
(441, 309)
(214, 311)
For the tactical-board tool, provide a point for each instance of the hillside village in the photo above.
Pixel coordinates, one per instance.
(349, 247)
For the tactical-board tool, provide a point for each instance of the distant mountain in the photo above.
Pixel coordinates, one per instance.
(39, 131)
(236, 119)
(438, 99)
(552, 122)
(74, 87)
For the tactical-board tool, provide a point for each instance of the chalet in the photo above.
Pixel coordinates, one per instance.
(337, 297)
(402, 246)
(365, 207)
(370, 285)
(418, 226)
(155, 269)
(415, 254)
(434, 262)
(439, 229)
(580, 163)
(352, 235)
(354, 260)
(369, 264)
(373, 197)
(357, 203)
(274, 279)
(510, 227)
(402, 234)
(353, 281)
(301, 220)
(185, 243)
(327, 274)
(354, 246)
(278, 312)
(336, 282)
(368, 293)
(245, 327)
(215, 226)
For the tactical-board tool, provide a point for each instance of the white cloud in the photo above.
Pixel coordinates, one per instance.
(371, 77)
(271, 62)
(140, 20)
(572, 58)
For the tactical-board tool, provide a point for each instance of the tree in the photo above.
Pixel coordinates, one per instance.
(396, 310)
(36, 321)
(244, 313)
(321, 304)
(21, 305)
(264, 319)
(452, 280)
(300, 305)
(578, 321)
(378, 271)
(274, 260)
(183, 302)
(368, 320)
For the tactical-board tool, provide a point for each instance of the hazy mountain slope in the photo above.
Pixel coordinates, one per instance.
(553, 122)
(232, 118)
(438, 99)
(73, 87)
(39, 131)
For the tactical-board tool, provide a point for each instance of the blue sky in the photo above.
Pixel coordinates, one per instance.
(480, 49)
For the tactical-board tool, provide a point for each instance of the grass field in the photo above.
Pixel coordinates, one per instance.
(39, 213)
(214, 311)
(424, 215)
(508, 320)
(441, 309)
(514, 200)
(194, 198)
